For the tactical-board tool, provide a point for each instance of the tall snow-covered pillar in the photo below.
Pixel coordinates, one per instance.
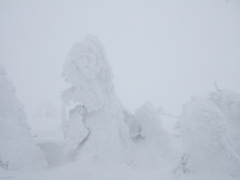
(87, 69)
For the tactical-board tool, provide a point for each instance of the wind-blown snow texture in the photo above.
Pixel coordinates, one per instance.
(87, 69)
(205, 138)
(229, 103)
(17, 150)
(151, 131)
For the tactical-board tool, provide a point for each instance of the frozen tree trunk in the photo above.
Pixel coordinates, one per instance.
(102, 134)
(17, 150)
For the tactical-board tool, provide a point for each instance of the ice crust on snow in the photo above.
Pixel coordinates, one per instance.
(17, 150)
(87, 69)
(205, 138)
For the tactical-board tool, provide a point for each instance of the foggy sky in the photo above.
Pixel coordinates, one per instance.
(162, 51)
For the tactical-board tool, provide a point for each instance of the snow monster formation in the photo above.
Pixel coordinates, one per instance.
(94, 128)
(229, 103)
(17, 150)
(149, 131)
(205, 139)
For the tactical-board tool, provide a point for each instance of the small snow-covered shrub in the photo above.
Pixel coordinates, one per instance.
(17, 150)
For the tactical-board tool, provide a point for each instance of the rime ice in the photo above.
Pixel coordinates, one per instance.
(104, 132)
(17, 150)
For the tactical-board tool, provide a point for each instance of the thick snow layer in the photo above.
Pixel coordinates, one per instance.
(151, 133)
(75, 131)
(17, 150)
(229, 103)
(48, 135)
(48, 130)
(87, 69)
(99, 139)
(86, 170)
(205, 139)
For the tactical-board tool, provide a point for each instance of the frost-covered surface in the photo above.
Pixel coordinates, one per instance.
(99, 139)
(17, 150)
(205, 139)
(102, 135)
(86, 170)
(151, 133)
(229, 103)
(75, 131)
(86, 67)
(48, 135)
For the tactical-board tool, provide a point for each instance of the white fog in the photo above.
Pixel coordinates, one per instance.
(97, 90)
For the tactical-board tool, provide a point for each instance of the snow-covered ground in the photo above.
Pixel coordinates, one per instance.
(48, 135)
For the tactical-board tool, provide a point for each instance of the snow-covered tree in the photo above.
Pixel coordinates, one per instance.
(17, 150)
(229, 103)
(205, 139)
(102, 132)
(149, 130)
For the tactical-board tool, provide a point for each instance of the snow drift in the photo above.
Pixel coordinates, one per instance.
(17, 150)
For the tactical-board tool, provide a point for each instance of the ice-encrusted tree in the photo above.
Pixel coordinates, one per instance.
(17, 150)
(229, 103)
(148, 129)
(95, 127)
(205, 139)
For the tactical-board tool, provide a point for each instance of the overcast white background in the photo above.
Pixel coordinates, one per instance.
(163, 51)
